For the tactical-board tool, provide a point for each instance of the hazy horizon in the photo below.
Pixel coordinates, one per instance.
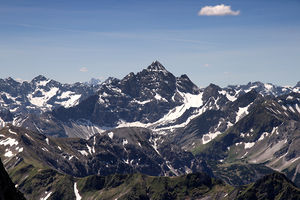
(220, 42)
(102, 79)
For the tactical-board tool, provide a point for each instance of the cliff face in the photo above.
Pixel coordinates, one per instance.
(7, 187)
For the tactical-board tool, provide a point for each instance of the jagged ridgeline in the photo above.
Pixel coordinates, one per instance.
(150, 122)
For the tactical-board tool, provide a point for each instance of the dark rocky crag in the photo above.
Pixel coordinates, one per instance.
(7, 187)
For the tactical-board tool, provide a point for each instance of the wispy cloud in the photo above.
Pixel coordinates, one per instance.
(120, 35)
(83, 69)
(19, 80)
(218, 10)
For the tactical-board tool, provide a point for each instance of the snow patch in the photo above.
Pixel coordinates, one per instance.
(122, 123)
(275, 130)
(249, 145)
(292, 109)
(9, 141)
(171, 168)
(160, 98)
(268, 86)
(65, 95)
(72, 101)
(239, 143)
(126, 161)
(209, 136)
(243, 111)
(76, 192)
(284, 107)
(111, 135)
(83, 152)
(48, 194)
(265, 134)
(9, 154)
(12, 132)
(244, 155)
(28, 136)
(189, 101)
(142, 102)
(125, 142)
(228, 96)
(297, 108)
(154, 141)
(89, 148)
(42, 83)
(42, 101)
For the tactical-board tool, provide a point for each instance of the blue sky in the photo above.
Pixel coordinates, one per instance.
(76, 40)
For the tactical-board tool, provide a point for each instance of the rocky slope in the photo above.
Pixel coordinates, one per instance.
(123, 151)
(252, 127)
(17, 99)
(50, 184)
(153, 98)
(267, 135)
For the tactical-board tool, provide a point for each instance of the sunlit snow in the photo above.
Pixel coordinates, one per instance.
(9, 141)
(111, 135)
(76, 192)
(48, 194)
(46, 95)
(248, 145)
(242, 112)
(210, 136)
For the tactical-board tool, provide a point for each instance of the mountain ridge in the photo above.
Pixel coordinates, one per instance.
(214, 121)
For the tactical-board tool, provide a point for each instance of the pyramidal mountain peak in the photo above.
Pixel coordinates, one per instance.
(156, 66)
(149, 122)
(39, 78)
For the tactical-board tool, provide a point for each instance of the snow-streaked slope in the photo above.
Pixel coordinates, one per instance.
(40, 95)
(188, 101)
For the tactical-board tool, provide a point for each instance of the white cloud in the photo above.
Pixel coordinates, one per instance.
(218, 10)
(19, 80)
(83, 69)
(206, 65)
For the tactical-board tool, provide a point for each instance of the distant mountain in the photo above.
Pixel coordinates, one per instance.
(144, 97)
(152, 98)
(243, 128)
(40, 94)
(93, 82)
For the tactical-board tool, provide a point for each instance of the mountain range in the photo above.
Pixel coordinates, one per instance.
(149, 122)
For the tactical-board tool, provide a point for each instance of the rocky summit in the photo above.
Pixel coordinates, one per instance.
(146, 127)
